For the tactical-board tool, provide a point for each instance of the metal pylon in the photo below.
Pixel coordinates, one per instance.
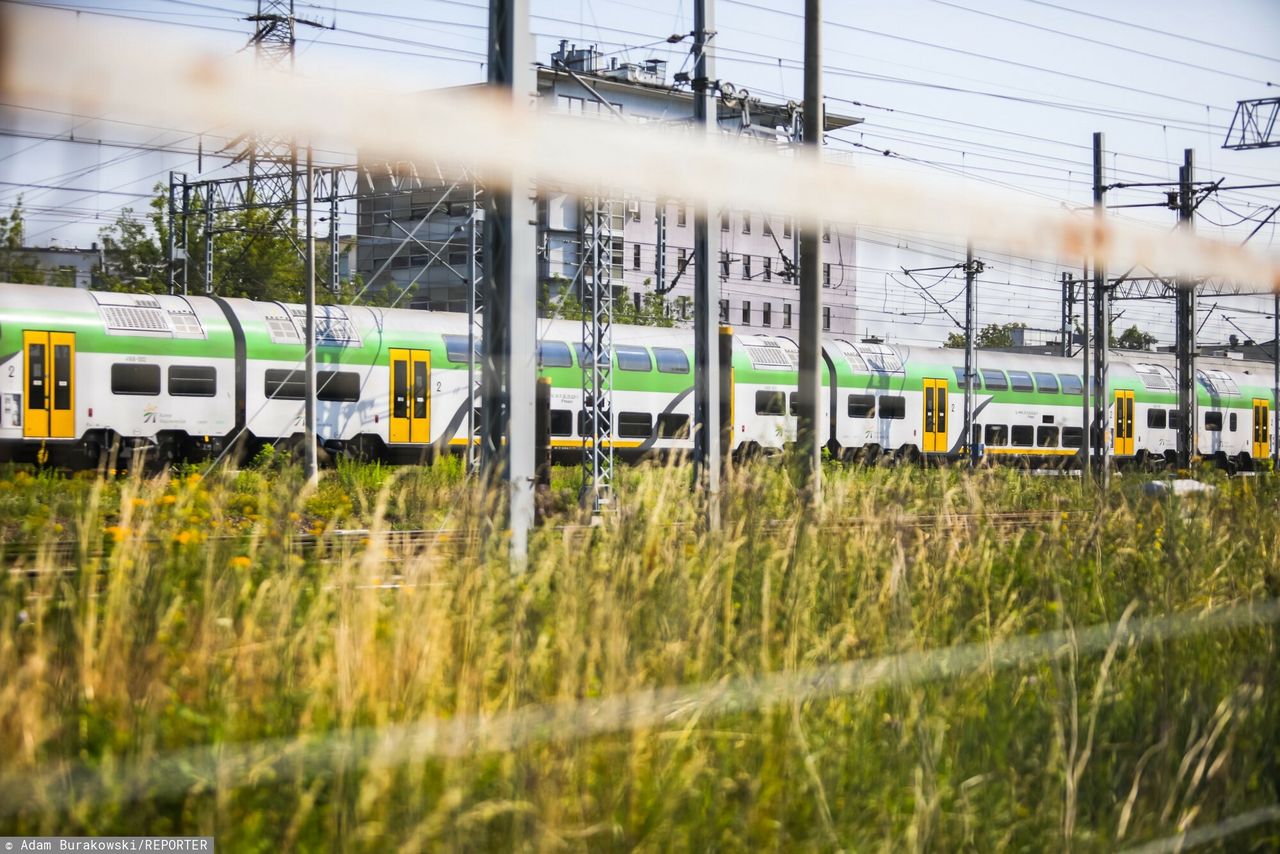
(597, 352)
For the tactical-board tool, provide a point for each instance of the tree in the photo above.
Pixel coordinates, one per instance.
(1134, 338)
(15, 265)
(990, 336)
(132, 259)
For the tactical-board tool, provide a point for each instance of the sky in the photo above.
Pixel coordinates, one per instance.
(1005, 92)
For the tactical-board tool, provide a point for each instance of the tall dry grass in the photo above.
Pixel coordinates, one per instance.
(187, 613)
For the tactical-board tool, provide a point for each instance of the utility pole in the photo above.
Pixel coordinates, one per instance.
(1102, 321)
(335, 274)
(1068, 312)
(1086, 435)
(310, 463)
(509, 374)
(809, 394)
(474, 301)
(706, 294)
(970, 352)
(1185, 321)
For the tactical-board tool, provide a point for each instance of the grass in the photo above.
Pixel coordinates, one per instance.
(188, 614)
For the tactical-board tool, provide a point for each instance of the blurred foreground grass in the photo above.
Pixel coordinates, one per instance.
(187, 614)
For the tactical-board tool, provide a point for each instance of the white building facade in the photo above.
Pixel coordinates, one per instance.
(418, 242)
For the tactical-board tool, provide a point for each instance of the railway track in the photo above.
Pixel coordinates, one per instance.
(35, 557)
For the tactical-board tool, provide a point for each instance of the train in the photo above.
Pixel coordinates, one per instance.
(173, 377)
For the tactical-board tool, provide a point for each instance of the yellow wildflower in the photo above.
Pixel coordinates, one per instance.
(116, 533)
(169, 499)
(241, 562)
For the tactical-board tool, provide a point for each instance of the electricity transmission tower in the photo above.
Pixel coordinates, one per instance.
(273, 160)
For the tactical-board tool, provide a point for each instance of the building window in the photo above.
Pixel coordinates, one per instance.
(682, 257)
(826, 318)
(766, 271)
(767, 314)
(633, 210)
(786, 227)
(746, 267)
(746, 312)
(571, 105)
(826, 275)
(724, 265)
(682, 216)
(826, 233)
(746, 222)
(786, 315)
(766, 227)
(635, 256)
(724, 220)
(724, 310)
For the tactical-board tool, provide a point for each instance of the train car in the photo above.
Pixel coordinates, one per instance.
(83, 373)
(182, 377)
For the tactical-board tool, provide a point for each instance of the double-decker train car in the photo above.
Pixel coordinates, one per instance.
(185, 377)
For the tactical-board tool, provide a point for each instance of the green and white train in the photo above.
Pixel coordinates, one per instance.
(185, 377)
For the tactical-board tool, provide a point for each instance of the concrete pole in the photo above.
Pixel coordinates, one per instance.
(1186, 326)
(1102, 322)
(970, 353)
(809, 393)
(706, 297)
(310, 465)
(510, 370)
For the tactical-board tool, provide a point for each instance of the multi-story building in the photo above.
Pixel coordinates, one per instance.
(418, 241)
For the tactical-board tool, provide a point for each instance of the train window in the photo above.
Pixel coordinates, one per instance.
(862, 406)
(770, 402)
(632, 358)
(292, 385)
(344, 386)
(1072, 437)
(1231, 422)
(635, 425)
(583, 360)
(129, 378)
(455, 348)
(997, 435)
(554, 354)
(1046, 437)
(419, 389)
(193, 381)
(584, 422)
(673, 425)
(1047, 383)
(893, 407)
(1213, 420)
(1024, 435)
(1021, 381)
(1156, 419)
(35, 371)
(1175, 419)
(1071, 384)
(994, 380)
(793, 404)
(561, 422)
(671, 360)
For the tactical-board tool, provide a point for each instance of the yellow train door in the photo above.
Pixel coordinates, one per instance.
(410, 396)
(1261, 428)
(49, 360)
(1124, 423)
(935, 416)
